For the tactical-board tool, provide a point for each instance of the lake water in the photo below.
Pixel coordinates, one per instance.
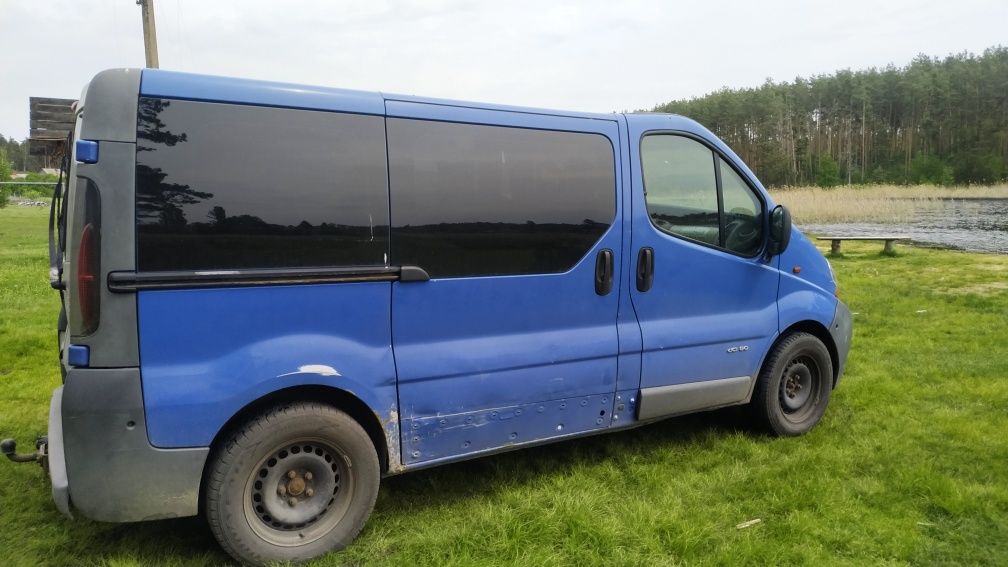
(978, 225)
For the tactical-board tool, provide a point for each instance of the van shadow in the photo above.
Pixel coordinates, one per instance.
(189, 540)
(182, 541)
(447, 484)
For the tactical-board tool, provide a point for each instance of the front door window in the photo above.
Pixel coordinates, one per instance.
(692, 193)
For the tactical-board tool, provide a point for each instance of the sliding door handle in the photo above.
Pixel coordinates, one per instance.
(645, 269)
(604, 272)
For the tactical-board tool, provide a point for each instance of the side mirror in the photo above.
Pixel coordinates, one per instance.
(780, 230)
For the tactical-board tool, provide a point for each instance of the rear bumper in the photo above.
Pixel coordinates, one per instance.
(841, 329)
(56, 456)
(101, 463)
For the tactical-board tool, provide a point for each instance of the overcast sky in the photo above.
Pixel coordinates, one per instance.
(597, 55)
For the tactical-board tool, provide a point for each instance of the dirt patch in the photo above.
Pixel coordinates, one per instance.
(991, 267)
(988, 288)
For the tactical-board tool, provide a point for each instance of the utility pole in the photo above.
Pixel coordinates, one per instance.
(150, 33)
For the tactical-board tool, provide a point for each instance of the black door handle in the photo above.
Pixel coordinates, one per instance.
(604, 271)
(645, 269)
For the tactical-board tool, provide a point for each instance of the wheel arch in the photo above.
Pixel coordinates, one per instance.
(819, 331)
(340, 399)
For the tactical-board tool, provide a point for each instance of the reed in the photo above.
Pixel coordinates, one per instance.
(874, 203)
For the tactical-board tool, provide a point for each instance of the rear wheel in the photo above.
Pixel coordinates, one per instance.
(292, 484)
(794, 386)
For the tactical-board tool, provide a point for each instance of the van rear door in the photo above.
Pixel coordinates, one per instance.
(514, 218)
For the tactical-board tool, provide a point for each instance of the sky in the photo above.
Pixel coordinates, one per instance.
(593, 55)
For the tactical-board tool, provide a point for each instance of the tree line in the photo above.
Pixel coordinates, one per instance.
(17, 156)
(935, 120)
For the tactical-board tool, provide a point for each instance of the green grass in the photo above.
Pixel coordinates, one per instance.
(908, 467)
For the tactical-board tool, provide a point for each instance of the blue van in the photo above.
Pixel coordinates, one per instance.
(274, 295)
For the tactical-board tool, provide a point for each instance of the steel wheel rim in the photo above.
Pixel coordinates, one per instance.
(316, 474)
(799, 388)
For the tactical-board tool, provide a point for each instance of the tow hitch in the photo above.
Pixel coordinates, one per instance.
(41, 455)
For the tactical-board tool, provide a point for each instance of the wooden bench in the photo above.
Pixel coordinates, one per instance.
(889, 239)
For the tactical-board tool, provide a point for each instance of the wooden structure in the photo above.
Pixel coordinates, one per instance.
(149, 32)
(887, 248)
(50, 120)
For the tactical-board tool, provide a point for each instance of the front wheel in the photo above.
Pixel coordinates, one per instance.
(794, 386)
(291, 484)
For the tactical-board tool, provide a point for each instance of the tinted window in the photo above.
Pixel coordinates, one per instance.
(681, 187)
(473, 200)
(743, 214)
(228, 186)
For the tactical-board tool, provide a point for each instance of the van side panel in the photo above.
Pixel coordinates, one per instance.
(473, 360)
(207, 353)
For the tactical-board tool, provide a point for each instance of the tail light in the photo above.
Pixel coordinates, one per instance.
(89, 261)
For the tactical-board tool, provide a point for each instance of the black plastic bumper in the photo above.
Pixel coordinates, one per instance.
(55, 456)
(110, 472)
(842, 329)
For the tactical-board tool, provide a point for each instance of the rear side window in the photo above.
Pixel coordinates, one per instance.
(478, 200)
(222, 186)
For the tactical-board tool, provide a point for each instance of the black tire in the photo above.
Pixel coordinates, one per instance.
(794, 386)
(259, 514)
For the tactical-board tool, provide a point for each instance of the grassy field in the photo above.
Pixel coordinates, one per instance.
(874, 203)
(909, 466)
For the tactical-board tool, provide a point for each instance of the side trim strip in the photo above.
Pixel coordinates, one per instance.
(664, 401)
(127, 282)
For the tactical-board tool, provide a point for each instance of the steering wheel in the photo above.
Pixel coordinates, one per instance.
(741, 233)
